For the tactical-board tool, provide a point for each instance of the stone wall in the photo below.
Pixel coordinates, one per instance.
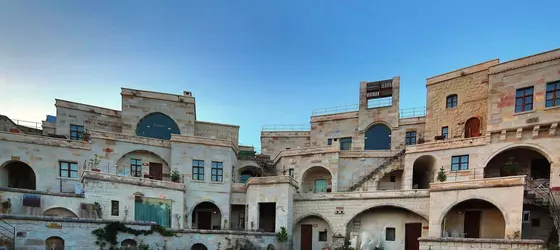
(275, 141)
(138, 103)
(91, 117)
(506, 78)
(217, 130)
(471, 87)
(32, 233)
(333, 127)
(431, 243)
(277, 189)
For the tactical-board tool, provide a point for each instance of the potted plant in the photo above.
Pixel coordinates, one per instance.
(175, 176)
(441, 176)
(282, 237)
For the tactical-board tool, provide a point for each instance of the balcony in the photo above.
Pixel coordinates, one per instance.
(137, 181)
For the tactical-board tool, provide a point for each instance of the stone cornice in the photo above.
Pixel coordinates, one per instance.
(157, 95)
(510, 181)
(130, 138)
(44, 140)
(217, 124)
(87, 108)
(367, 195)
(525, 61)
(39, 192)
(271, 180)
(100, 176)
(462, 72)
(205, 141)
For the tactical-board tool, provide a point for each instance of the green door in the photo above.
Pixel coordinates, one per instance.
(320, 186)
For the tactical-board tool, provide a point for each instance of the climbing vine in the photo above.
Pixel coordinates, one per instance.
(108, 234)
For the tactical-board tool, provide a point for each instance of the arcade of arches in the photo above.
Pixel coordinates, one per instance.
(17, 174)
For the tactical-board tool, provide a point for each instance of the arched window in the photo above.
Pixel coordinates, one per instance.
(378, 137)
(451, 101)
(54, 243)
(157, 125)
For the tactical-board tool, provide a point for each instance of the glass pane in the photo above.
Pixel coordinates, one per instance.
(213, 164)
(220, 165)
(549, 95)
(201, 163)
(64, 173)
(528, 107)
(529, 91)
(74, 166)
(518, 101)
(73, 174)
(64, 165)
(550, 86)
(464, 158)
(464, 166)
(558, 85)
(529, 99)
(195, 170)
(220, 178)
(220, 172)
(549, 103)
(557, 93)
(519, 93)
(213, 171)
(455, 159)
(518, 109)
(213, 178)
(454, 167)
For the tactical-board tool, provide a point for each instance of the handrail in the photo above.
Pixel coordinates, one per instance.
(403, 113)
(29, 124)
(286, 127)
(335, 110)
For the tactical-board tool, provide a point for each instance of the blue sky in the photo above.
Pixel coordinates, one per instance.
(252, 62)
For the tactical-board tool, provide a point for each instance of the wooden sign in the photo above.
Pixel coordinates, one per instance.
(54, 225)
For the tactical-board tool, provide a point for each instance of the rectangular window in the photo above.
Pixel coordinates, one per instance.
(390, 234)
(76, 132)
(329, 142)
(553, 94)
(524, 100)
(291, 172)
(135, 167)
(451, 101)
(526, 216)
(68, 169)
(445, 132)
(198, 170)
(410, 138)
(217, 171)
(346, 143)
(323, 235)
(115, 208)
(460, 162)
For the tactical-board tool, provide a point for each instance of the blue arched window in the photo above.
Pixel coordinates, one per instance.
(157, 125)
(378, 137)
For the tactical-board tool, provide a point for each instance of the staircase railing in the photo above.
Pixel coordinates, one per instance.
(7, 231)
(546, 197)
(367, 173)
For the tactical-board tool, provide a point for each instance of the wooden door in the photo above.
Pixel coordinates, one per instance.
(204, 220)
(472, 224)
(306, 237)
(413, 231)
(472, 128)
(156, 170)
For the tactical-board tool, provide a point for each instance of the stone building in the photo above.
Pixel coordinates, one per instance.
(476, 168)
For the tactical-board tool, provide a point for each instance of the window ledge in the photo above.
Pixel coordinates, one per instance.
(68, 178)
(524, 112)
(198, 181)
(216, 182)
(553, 107)
(460, 171)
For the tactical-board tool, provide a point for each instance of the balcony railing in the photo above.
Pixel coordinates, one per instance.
(335, 110)
(412, 112)
(286, 127)
(29, 124)
(376, 103)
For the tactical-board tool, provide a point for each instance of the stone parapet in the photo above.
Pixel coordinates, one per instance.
(226, 232)
(367, 153)
(447, 144)
(87, 108)
(39, 192)
(205, 141)
(334, 117)
(462, 72)
(130, 138)
(509, 181)
(44, 140)
(270, 180)
(400, 194)
(238, 188)
(431, 243)
(525, 61)
(99, 176)
(157, 95)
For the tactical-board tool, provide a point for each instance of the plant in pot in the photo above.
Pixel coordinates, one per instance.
(95, 164)
(175, 176)
(441, 176)
(282, 237)
(6, 206)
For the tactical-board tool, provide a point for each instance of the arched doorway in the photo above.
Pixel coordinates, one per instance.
(312, 232)
(519, 161)
(157, 125)
(206, 215)
(423, 172)
(128, 244)
(472, 128)
(391, 181)
(60, 212)
(54, 243)
(249, 171)
(378, 137)
(138, 163)
(199, 246)
(17, 174)
(316, 180)
(389, 227)
(474, 218)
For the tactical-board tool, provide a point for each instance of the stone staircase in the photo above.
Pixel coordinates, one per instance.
(7, 235)
(370, 172)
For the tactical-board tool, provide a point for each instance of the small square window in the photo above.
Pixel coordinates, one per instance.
(68, 169)
(460, 162)
(524, 99)
(323, 235)
(346, 143)
(410, 138)
(451, 101)
(76, 132)
(115, 208)
(390, 234)
(536, 222)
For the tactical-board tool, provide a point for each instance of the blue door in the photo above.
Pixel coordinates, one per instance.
(378, 137)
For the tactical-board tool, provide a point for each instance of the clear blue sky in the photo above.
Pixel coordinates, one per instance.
(252, 62)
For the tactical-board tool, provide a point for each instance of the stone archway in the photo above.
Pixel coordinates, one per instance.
(247, 172)
(316, 179)
(312, 231)
(474, 218)
(199, 246)
(423, 171)
(158, 126)
(17, 174)
(520, 160)
(60, 212)
(378, 137)
(140, 163)
(206, 215)
(54, 243)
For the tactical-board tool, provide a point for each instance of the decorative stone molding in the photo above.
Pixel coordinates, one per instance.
(270, 180)
(536, 131)
(509, 181)
(552, 131)
(27, 191)
(525, 61)
(397, 194)
(503, 135)
(518, 133)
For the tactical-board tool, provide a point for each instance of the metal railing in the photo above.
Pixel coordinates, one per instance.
(29, 124)
(380, 103)
(286, 127)
(7, 235)
(412, 112)
(335, 110)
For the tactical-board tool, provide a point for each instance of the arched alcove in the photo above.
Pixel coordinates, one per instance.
(474, 218)
(378, 137)
(157, 125)
(17, 174)
(206, 215)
